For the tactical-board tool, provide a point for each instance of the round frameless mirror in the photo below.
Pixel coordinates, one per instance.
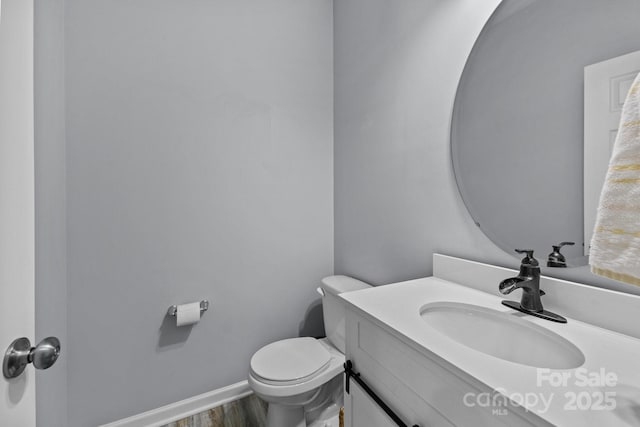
(517, 127)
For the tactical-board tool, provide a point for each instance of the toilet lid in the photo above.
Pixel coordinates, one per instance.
(294, 359)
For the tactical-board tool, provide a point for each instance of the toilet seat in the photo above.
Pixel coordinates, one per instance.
(325, 363)
(290, 361)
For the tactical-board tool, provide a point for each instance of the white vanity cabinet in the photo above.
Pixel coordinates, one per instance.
(444, 351)
(418, 387)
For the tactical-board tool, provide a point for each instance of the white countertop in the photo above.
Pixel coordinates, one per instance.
(396, 307)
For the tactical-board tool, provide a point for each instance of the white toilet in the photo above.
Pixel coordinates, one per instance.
(301, 378)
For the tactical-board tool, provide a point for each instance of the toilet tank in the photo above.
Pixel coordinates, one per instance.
(334, 309)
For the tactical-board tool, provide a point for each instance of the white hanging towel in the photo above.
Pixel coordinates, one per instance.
(615, 245)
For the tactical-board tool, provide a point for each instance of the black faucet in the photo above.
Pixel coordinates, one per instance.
(529, 281)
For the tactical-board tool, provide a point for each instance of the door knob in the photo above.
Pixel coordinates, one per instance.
(45, 353)
(20, 354)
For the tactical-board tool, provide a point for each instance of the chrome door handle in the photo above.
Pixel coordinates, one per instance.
(20, 354)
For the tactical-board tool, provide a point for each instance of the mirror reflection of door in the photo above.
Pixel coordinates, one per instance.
(606, 85)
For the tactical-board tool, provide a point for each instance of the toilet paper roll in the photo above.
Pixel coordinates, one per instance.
(188, 314)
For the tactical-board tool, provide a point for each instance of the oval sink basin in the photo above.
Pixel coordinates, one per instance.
(502, 335)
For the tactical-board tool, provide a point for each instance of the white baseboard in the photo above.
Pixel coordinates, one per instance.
(185, 408)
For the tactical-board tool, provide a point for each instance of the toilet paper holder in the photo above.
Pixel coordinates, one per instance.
(204, 306)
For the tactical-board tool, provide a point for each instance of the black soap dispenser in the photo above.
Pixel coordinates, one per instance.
(556, 259)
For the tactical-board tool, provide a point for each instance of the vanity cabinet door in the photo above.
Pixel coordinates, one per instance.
(362, 411)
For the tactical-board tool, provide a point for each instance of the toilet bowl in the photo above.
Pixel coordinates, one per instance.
(300, 378)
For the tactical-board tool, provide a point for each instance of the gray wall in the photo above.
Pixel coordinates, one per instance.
(50, 178)
(397, 66)
(199, 165)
